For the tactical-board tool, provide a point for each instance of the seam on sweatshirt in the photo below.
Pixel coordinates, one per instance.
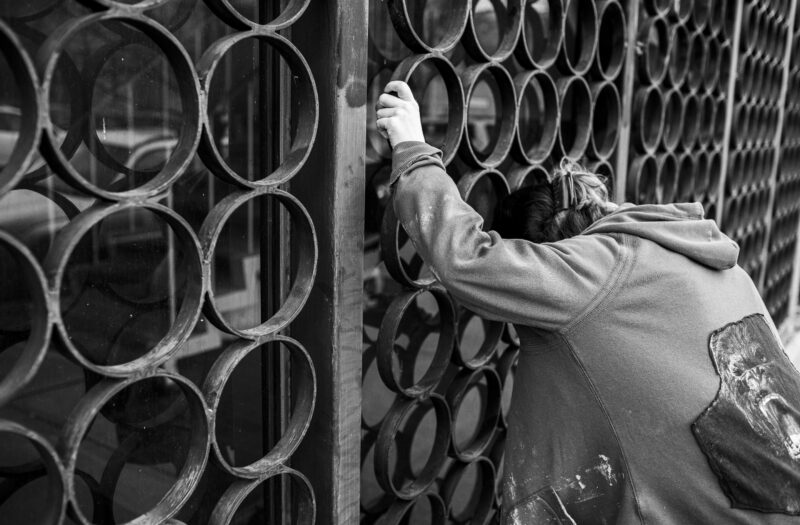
(421, 158)
(611, 425)
(609, 285)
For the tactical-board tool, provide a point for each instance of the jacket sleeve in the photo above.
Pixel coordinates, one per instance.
(541, 285)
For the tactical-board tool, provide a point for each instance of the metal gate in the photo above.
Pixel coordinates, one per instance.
(208, 312)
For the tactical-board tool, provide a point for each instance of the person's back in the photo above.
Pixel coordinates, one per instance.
(610, 413)
(651, 387)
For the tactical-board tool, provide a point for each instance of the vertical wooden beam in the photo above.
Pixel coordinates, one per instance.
(332, 35)
(629, 75)
(730, 102)
(776, 145)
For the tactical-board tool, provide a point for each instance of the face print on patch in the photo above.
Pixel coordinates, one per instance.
(751, 431)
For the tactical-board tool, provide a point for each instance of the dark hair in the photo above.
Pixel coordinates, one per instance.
(531, 212)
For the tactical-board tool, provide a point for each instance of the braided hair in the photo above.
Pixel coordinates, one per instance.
(536, 213)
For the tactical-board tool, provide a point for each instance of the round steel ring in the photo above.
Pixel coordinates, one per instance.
(62, 249)
(387, 336)
(308, 117)
(304, 383)
(188, 86)
(306, 254)
(90, 405)
(28, 139)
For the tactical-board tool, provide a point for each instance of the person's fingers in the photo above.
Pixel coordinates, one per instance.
(387, 112)
(389, 101)
(381, 125)
(402, 90)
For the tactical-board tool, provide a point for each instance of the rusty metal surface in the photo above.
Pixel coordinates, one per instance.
(112, 383)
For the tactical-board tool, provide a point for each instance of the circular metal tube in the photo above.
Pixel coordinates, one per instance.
(55, 499)
(642, 183)
(483, 507)
(463, 382)
(652, 63)
(700, 14)
(697, 62)
(389, 333)
(401, 509)
(576, 114)
(685, 177)
(658, 8)
(223, 9)
(88, 408)
(708, 108)
(538, 116)
(522, 176)
(667, 177)
(27, 364)
(511, 27)
(712, 67)
(308, 115)
(611, 41)
(305, 240)
(648, 114)
(673, 119)
(714, 175)
(691, 122)
(605, 119)
(64, 246)
(456, 21)
(493, 331)
(580, 37)
(541, 35)
(237, 492)
(401, 409)
(304, 392)
(456, 107)
(701, 176)
(678, 64)
(188, 86)
(24, 148)
(718, 10)
(505, 98)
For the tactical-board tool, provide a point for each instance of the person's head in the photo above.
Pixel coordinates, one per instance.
(538, 212)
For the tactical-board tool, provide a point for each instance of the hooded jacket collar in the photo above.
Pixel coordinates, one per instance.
(679, 228)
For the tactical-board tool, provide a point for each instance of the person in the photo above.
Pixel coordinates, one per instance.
(651, 386)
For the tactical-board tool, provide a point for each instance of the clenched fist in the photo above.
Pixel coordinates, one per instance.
(398, 116)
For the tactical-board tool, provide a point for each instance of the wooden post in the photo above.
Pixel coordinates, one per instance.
(730, 102)
(627, 103)
(332, 36)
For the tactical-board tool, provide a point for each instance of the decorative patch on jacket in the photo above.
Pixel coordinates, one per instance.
(751, 431)
(542, 508)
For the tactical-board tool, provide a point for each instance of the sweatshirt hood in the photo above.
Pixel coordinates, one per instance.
(680, 228)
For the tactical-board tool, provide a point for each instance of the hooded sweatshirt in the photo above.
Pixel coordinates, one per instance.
(650, 387)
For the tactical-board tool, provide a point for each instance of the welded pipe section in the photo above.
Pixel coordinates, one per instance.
(667, 177)
(708, 108)
(679, 54)
(673, 119)
(652, 62)
(605, 119)
(700, 13)
(542, 34)
(537, 128)
(711, 74)
(700, 176)
(691, 122)
(575, 102)
(648, 118)
(642, 183)
(685, 177)
(612, 40)
(697, 62)
(580, 37)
